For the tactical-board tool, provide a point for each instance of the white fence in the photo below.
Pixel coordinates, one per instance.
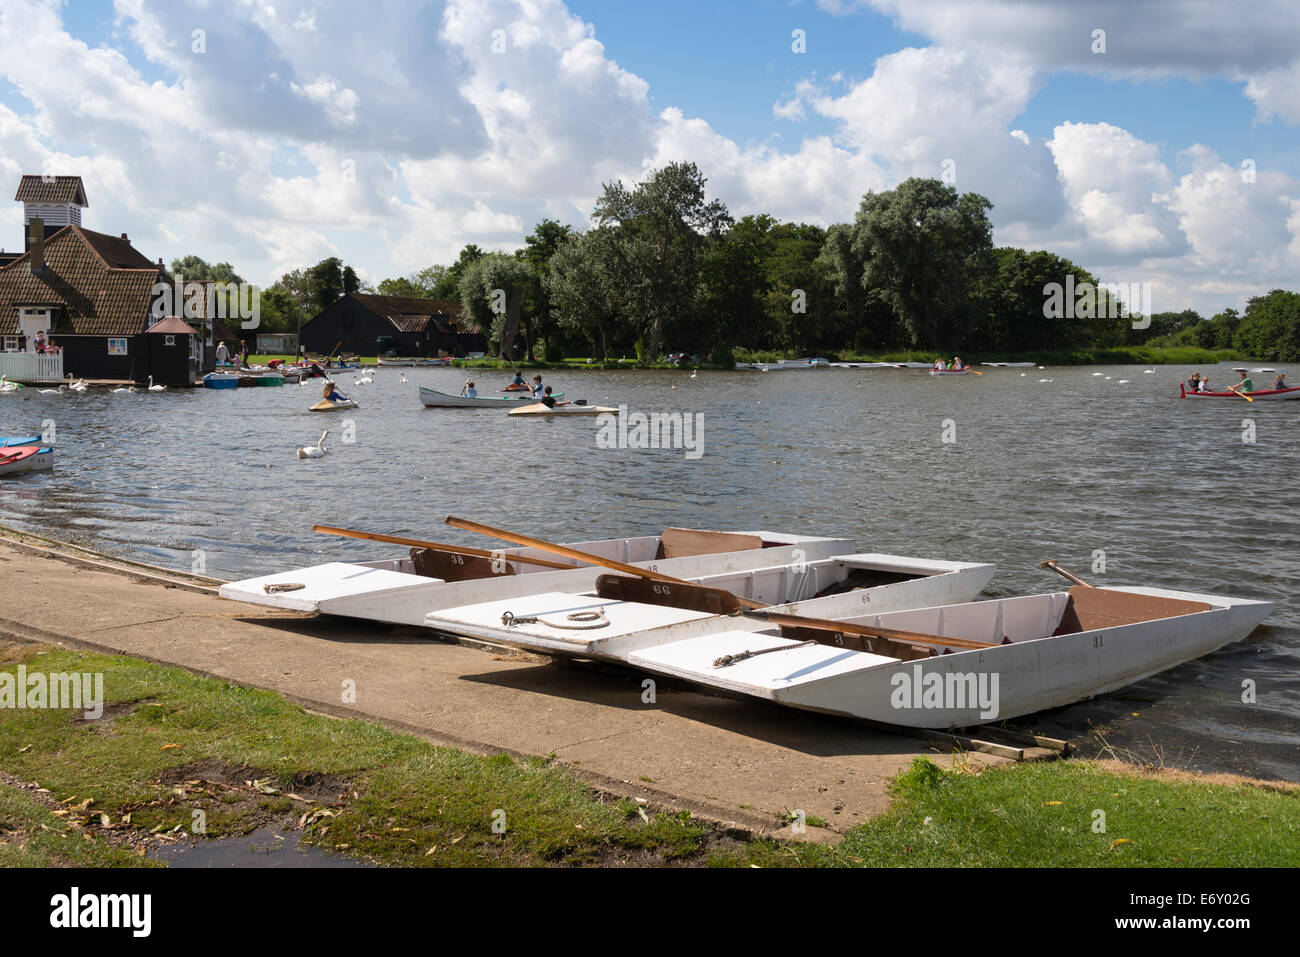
(28, 367)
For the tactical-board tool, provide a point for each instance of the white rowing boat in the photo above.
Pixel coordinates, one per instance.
(447, 400)
(403, 590)
(966, 664)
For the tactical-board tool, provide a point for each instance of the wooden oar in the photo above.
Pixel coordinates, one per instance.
(436, 546)
(866, 631)
(1242, 394)
(573, 553)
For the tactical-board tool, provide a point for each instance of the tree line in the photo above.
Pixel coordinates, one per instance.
(666, 268)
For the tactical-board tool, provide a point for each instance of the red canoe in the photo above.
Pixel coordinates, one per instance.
(1261, 395)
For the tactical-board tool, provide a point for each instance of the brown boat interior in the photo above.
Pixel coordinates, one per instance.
(1091, 608)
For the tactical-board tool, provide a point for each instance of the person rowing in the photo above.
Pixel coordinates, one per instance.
(518, 382)
(332, 394)
(468, 390)
(1247, 384)
(1194, 382)
(538, 391)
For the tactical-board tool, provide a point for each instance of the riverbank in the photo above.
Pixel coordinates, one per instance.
(1125, 355)
(389, 747)
(178, 761)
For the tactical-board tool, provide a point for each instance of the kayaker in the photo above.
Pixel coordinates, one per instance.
(1279, 381)
(1247, 384)
(333, 394)
(468, 390)
(548, 400)
(518, 380)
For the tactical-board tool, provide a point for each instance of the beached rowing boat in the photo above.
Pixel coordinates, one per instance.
(25, 458)
(942, 666)
(764, 566)
(540, 410)
(1260, 395)
(447, 400)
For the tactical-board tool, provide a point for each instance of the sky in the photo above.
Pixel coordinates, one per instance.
(1150, 141)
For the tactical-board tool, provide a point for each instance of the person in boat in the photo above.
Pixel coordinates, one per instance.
(331, 393)
(518, 380)
(938, 365)
(549, 400)
(957, 363)
(1205, 383)
(468, 390)
(1194, 382)
(1247, 384)
(1279, 381)
(538, 391)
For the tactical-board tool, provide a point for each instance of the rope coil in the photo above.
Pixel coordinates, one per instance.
(726, 660)
(588, 619)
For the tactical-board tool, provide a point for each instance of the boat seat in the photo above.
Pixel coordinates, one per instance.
(687, 542)
(643, 591)
(453, 567)
(1091, 608)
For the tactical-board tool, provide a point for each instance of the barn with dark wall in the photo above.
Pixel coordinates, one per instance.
(375, 325)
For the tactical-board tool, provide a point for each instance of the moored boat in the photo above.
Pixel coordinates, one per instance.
(403, 590)
(938, 667)
(435, 399)
(25, 458)
(1259, 395)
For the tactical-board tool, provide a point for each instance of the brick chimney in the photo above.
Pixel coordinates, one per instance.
(36, 245)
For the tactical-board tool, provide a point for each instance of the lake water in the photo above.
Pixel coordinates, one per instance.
(1081, 464)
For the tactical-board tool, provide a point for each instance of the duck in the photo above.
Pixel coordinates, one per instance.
(156, 388)
(314, 451)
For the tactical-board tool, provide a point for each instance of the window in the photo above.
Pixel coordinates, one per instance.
(11, 344)
(169, 340)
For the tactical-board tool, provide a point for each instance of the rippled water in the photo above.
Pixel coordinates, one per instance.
(1168, 489)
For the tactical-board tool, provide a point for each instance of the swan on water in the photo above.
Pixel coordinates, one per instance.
(79, 386)
(403, 378)
(314, 451)
(6, 385)
(131, 390)
(58, 391)
(156, 388)
(1044, 380)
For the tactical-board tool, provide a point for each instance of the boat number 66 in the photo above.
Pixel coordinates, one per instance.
(663, 590)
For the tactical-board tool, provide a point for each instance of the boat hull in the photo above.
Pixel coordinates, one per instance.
(540, 411)
(25, 458)
(1261, 395)
(326, 405)
(434, 399)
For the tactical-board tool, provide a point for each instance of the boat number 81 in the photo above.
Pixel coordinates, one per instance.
(1096, 641)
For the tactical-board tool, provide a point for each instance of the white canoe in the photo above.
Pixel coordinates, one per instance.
(542, 411)
(1043, 651)
(447, 400)
(328, 405)
(394, 591)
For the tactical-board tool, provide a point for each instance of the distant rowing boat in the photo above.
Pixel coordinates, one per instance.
(950, 372)
(435, 399)
(1262, 395)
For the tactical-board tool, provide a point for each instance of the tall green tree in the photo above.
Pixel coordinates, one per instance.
(661, 224)
(924, 248)
(491, 293)
(539, 249)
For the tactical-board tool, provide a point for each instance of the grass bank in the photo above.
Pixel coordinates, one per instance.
(174, 750)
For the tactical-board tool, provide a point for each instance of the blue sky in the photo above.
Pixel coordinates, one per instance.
(1128, 162)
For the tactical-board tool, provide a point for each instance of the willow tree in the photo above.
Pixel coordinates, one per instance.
(660, 226)
(925, 249)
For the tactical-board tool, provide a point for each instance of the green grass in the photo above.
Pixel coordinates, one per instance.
(1043, 814)
(362, 788)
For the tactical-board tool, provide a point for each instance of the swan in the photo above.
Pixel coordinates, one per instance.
(1148, 371)
(403, 381)
(1107, 378)
(1023, 374)
(6, 385)
(156, 388)
(1094, 374)
(692, 375)
(1121, 381)
(79, 386)
(58, 391)
(314, 451)
(130, 389)
(1044, 380)
(366, 379)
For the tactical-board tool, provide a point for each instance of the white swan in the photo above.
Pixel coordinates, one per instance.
(1121, 381)
(314, 451)
(1044, 380)
(1148, 371)
(129, 390)
(403, 378)
(1095, 373)
(156, 388)
(692, 375)
(79, 386)
(6, 385)
(58, 391)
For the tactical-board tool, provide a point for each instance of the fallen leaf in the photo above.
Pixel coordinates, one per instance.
(24, 750)
(169, 747)
(430, 850)
(1118, 841)
(1052, 803)
(105, 820)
